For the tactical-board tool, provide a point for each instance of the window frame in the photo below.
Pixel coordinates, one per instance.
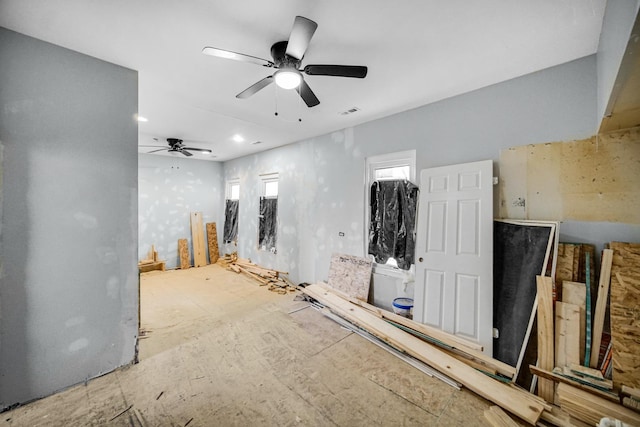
(373, 163)
(266, 179)
(229, 189)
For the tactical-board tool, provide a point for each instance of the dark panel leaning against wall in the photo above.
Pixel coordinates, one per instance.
(69, 285)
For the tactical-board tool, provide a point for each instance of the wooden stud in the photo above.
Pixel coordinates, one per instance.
(567, 336)
(601, 304)
(545, 334)
(576, 293)
(197, 240)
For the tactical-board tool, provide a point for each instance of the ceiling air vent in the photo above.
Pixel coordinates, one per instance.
(349, 111)
(256, 143)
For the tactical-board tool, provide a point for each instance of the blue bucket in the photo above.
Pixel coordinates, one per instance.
(402, 306)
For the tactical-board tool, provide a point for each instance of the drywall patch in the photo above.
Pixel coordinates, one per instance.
(113, 287)
(74, 321)
(78, 345)
(86, 220)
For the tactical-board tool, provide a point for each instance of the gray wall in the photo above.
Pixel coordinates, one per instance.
(322, 179)
(69, 283)
(170, 188)
(619, 18)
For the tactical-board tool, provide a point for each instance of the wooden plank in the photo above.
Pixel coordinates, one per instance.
(498, 418)
(564, 270)
(591, 409)
(567, 337)
(508, 398)
(633, 392)
(625, 316)
(212, 242)
(601, 304)
(183, 252)
(351, 275)
(152, 266)
(587, 345)
(576, 293)
(545, 334)
(197, 240)
(466, 349)
(586, 372)
(601, 384)
(560, 378)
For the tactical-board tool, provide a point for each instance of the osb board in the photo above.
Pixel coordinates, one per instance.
(197, 240)
(351, 275)
(212, 241)
(595, 179)
(625, 314)
(183, 252)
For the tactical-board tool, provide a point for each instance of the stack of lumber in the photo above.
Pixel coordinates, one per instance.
(376, 322)
(276, 281)
(151, 262)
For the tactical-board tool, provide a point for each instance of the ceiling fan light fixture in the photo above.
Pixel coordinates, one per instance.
(288, 78)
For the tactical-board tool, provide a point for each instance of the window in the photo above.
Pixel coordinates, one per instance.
(268, 217)
(231, 211)
(391, 202)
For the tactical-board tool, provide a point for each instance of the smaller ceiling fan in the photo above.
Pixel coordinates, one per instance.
(287, 57)
(176, 146)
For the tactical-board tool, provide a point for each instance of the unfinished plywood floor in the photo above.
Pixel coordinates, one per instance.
(223, 351)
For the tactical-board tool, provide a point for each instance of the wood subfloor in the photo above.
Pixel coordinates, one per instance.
(219, 350)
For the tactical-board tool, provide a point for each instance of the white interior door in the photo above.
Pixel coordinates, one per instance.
(454, 251)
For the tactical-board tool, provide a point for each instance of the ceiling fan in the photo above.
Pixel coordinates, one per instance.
(287, 57)
(176, 146)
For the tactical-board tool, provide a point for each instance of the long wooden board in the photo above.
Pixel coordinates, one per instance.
(557, 377)
(545, 334)
(576, 293)
(212, 242)
(567, 334)
(501, 394)
(197, 240)
(183, 253)
(467, 349)
(601, 304)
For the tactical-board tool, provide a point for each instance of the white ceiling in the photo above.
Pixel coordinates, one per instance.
(417, 51)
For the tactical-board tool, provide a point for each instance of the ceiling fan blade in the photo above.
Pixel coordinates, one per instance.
(203, 150)
(356, 71)
(185, 152)
(227, 54)
(300, 36)
(307, 95)
(255, 87)
(155, 151)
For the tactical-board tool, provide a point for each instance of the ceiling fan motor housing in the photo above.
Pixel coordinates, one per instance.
(281, 59)
(174, 142)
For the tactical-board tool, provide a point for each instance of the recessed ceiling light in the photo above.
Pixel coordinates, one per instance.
(141, 119)
(238, 138)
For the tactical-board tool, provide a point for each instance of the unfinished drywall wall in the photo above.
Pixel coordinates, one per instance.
(322, 179)
(170, 188)
(69, 285)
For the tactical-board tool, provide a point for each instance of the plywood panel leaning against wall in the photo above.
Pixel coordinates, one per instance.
(212, 241)
(183, 252)
(594, 179)
(351, 275)
(197, 240)
(625, 315)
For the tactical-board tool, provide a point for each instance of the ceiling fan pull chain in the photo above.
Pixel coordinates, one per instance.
(276, 99)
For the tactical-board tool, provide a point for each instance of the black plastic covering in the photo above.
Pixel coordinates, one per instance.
(231, 221)
(268, 221)
(393, 218)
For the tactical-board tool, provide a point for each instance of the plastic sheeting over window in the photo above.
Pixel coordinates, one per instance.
(268, 223)
(231, 221)
(392, 221)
